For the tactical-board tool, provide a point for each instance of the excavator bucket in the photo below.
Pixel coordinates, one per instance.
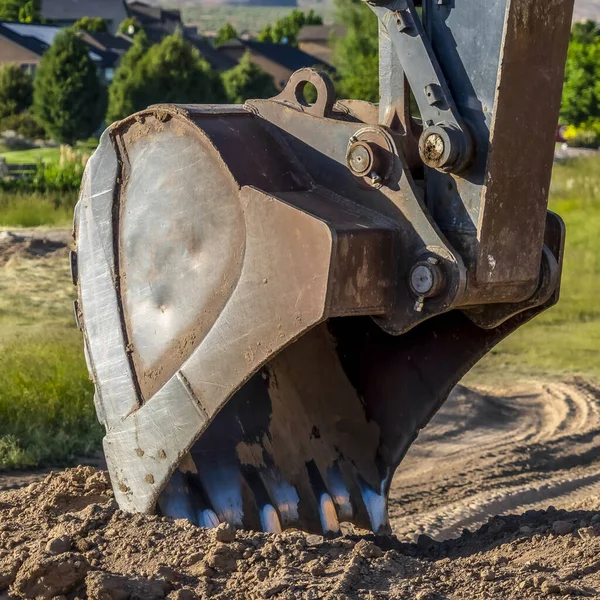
(276, 297)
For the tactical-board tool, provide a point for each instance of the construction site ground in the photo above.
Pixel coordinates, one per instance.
(499, 498)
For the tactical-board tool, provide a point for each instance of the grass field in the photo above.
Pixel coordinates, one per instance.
(34, 210)
(20, 157)
(565, 339)
(46, 409)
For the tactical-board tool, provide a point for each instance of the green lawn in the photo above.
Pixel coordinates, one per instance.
(20, 157)
(46, 409)
(565, 339)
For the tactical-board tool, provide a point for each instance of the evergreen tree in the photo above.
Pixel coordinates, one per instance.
(68, 97)
(246, 81)
(585, 31)
(30, 12)
(25, 11)
(356, 55)
(174, 72)
(285, 30)
(226, 33)
(266, 35)
(9, 10)
(16, 91)
(581, 91)
(121, 90)
(92, 24)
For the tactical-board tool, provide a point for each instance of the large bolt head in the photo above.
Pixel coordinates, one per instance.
(433, 147)
(361, 159)
(426, 279)
(422, 280)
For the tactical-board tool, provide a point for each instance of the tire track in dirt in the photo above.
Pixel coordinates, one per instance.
(494, 451)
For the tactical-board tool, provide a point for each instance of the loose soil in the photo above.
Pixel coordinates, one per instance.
(33, 243)
(535, 445)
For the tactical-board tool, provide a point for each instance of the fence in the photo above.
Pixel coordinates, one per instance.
(16, 171)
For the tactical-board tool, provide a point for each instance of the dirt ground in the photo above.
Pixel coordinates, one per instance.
(486, 453)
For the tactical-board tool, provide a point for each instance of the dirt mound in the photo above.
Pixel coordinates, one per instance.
(64, 538)
(33, 243)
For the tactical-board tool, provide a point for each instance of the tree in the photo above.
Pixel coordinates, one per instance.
(30, 12)
(121, 90)
(226, 33)
(9, 10)
(356, 55)
(172, 71)
(25, 11)
(246, 81)
(68, 96)
(92, 24)
(585, 31)
(285, 30)
(16, 91)
(581, 91)
(130, 26)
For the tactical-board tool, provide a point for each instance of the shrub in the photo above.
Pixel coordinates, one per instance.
(25, 124)
(226, 33)
(62, 177)
(92, 24)
(16, 90)
(68, 97)
(285, 30)
(585, 136)
(247, 80)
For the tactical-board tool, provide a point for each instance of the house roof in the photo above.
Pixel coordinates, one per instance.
(38, 38)
(145, 13)
(72, 10)
(107, 41)
(287, 56)
(320, 33)
(217, 60)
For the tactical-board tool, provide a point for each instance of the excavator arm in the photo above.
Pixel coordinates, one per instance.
(276, 297)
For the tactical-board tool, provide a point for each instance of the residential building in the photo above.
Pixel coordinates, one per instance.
(24, 44)
(317, 40)
(156, 22)
(159, 23)
(278, 60)
(66, 12)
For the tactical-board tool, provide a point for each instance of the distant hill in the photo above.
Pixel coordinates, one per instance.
(584, 9)
(587, 9)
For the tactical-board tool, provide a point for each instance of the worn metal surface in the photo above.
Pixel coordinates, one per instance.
(273, 300)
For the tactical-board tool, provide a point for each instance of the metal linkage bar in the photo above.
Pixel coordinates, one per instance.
(445, 143)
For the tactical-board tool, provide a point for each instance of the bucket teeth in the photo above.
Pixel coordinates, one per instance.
(292, 448)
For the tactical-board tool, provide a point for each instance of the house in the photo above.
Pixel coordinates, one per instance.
(278, 60)
(24, 44)
(156, 22)
(159, 23)
(67, 12)
(317, 40)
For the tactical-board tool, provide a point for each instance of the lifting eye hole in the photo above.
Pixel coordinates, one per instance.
(306, 93)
